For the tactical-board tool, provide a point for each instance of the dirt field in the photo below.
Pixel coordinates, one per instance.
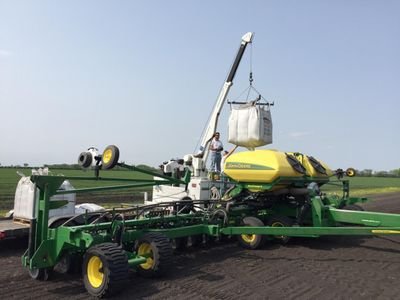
(328, 268)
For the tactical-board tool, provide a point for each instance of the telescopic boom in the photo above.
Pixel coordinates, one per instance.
(212, 125)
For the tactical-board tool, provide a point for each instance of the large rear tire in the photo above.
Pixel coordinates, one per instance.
(252, 241)
(157, 248)
(105, 269)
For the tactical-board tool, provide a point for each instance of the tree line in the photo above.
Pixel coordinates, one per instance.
(372, 173)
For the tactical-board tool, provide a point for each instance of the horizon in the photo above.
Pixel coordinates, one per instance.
(144, 76)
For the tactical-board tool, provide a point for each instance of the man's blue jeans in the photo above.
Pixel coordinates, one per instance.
(216, 162)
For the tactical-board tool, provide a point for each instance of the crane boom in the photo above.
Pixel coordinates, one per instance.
(199, 163)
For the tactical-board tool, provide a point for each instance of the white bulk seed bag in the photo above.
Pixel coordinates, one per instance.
(250, 126)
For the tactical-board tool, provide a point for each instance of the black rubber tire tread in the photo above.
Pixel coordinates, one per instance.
(196, 240)
(114, 159)
(180, 243)
(259, 240)
(69, 264)
(286, 222)
(85, 159)
(42, 274)
(354, 207)
(162, 254)
(115, 268)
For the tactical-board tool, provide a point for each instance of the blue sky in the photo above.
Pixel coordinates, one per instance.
(144, 75)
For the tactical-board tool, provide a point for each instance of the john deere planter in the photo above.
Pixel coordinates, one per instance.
(275, 196)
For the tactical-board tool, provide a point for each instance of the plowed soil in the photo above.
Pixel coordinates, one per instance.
(323, 268)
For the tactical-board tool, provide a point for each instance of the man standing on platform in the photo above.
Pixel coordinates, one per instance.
(216, 148)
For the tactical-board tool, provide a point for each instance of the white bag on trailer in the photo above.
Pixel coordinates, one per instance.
(27, 194)
(250, 126)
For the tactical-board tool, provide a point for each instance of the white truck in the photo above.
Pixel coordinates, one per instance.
(202, 185)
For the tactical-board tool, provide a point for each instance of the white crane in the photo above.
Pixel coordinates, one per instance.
(199, 163)
(200, 185)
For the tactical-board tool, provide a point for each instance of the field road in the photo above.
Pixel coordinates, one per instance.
(324, 268)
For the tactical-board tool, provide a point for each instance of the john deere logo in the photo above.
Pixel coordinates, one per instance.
(244, 166)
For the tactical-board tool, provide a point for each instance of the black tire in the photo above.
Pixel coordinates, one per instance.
(85, 159)
(179, 244)
(354, 207)
(105, 269)
(252, 241)
(280, 221)
(42, 274)
(110, 157)
(69, 264)
(158, 251)
(196, 240)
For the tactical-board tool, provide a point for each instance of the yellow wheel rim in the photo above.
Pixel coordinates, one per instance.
(278, 224)
(146, 251)
(249, 238)
(350, 172)
(107, 155)
(95, 271)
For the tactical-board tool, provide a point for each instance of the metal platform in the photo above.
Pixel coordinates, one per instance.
(10, 229)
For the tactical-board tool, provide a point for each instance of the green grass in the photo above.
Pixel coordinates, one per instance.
(9, 179)
(359, 186)
(364, 186)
